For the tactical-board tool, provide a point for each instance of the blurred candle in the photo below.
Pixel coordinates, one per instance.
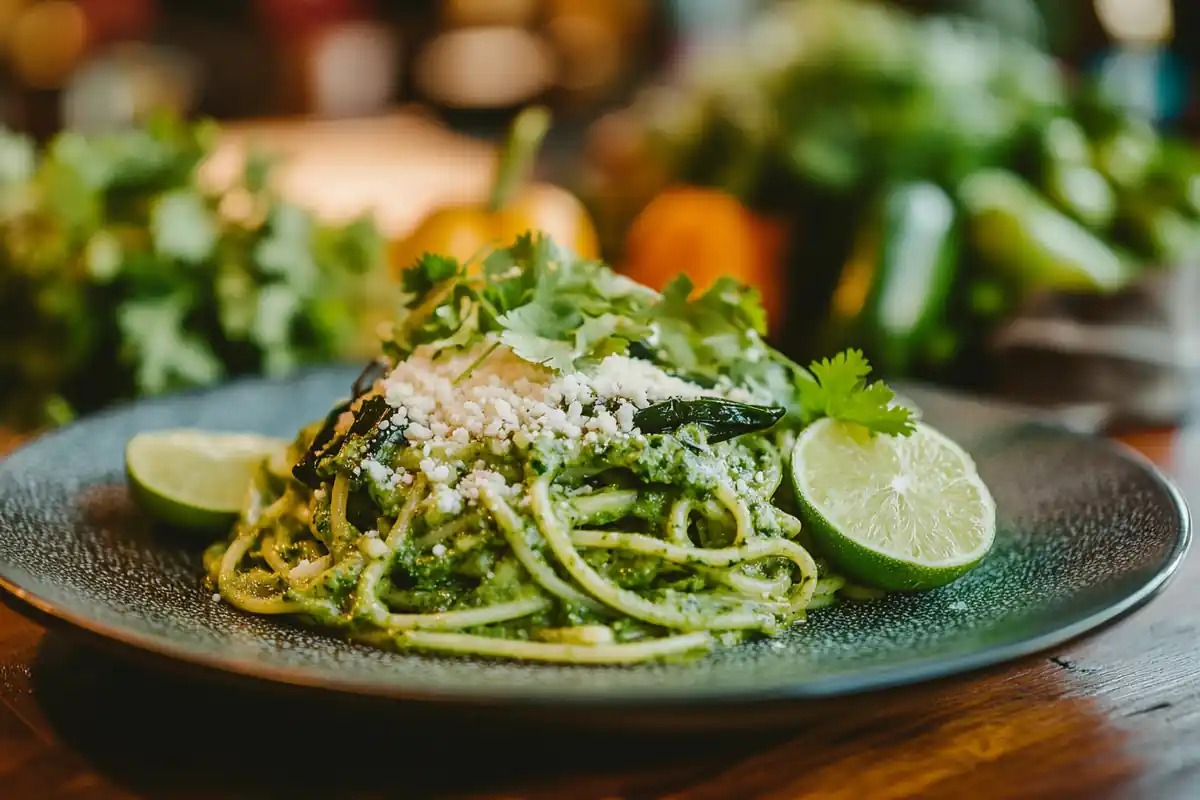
(353, 69)
(484, 67)
(1140, 21)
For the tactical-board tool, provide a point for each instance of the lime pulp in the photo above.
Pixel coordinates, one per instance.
(894, 512)
(195, 479)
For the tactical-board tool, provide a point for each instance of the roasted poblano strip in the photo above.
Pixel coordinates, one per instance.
(723, 419)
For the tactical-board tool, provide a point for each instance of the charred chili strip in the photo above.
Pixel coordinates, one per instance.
(305, 469)
(723, 419)
(367, 378)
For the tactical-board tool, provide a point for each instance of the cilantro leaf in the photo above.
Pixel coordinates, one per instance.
(840, 391)
(545, 303)
(536, 333)
(705, 337)
(576, 311)
(182, 226)
(608, 334)
(286, 251)
(119, 278)
(441, 308)
(165, 355)
(553, 308)
(429, 271)
(272, 326)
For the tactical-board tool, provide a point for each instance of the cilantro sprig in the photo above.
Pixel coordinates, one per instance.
(840, 390)
(547, 305)
(553, 308)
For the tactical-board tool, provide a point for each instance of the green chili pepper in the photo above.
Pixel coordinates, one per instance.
(914, 266)
(305, 469)
(373, 371)
(1083, 193)
(723, 419)
(368, 437)
(1064, 142)
(1024, 238)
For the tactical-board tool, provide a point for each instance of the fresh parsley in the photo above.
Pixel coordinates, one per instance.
(556, 309)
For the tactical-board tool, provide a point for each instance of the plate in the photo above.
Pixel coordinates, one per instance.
(1087, 530)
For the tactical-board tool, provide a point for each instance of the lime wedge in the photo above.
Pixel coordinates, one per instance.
(894, 512)
(195, 479)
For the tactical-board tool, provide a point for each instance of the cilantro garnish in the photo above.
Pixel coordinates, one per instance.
(841, 391)
(548, 305)
(556, 309)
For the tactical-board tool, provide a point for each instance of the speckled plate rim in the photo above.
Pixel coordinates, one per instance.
(860, 682)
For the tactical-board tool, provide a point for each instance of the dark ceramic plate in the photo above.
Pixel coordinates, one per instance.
(1087, 531)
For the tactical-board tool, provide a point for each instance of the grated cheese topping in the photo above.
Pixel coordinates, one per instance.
(508, 399)
(451, 401)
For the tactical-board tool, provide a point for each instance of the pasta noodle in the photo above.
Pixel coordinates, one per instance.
(490, 491)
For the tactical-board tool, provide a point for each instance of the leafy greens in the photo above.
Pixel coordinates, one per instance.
(122, 274)
(556, 309)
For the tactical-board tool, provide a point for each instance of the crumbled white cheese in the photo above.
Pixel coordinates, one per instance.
(448, 501)
(439, 549)
(510, 401)
(417, 431)
(379, 474)
(435, 471)
(625, 417)
(477, 479)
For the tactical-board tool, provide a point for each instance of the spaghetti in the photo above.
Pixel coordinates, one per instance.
(480, 494)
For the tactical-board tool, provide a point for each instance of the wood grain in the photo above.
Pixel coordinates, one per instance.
(1116, 714)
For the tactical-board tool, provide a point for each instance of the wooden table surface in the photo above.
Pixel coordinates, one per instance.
(1115, 714)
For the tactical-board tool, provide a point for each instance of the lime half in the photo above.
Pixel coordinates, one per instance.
(894, 512)
(195, 479)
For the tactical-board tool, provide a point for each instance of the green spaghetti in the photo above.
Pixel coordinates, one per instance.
(551, 463)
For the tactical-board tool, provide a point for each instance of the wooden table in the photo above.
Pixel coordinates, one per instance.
(1116, 714)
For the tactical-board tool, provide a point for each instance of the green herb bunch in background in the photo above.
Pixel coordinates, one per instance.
(122, 276)
(932, 175)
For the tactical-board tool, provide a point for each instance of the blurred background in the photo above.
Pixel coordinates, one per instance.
(1001, 196)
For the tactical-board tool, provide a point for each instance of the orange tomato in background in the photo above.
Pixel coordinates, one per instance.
(706, 233)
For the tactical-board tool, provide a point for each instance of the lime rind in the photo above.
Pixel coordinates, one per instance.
(194, 479)
(928, 464)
